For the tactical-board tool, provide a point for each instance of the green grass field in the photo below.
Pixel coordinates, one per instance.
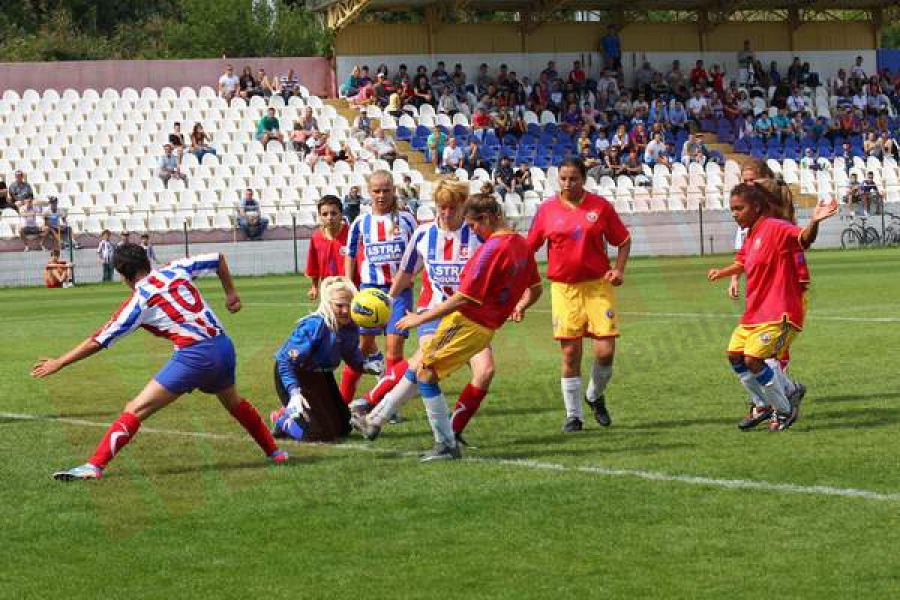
(672, 501)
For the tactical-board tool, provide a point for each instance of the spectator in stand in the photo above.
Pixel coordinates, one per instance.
(105, 252)
(873, 145)
(383, 90)
(351, 85)
(5, 202)
(308, 125)
(55, 223)
(643, 77)
(601, 143)
(57, 272)
(352, 203)
(639, 139)
(696, 106)
(571, 120)
(250, 218)
(675, 78)
(200, 142)
(452, 157)
(20, 190)
(440, 77)
(247, 84)
(170, 167)
(633, 164)
(730, 108)
(577, 77)
(522, 181)
(795, 72)
(678, 117)
(612, 49)
(614, 161)
(796, 102)
(849, 123)
(408, 194)
(810, 161)
(621, 140)
(482, 80)
(781, 125)
(699, 77)
(689, 149)
(269, 128)
(774, 75)
(448, 104)
(717, 79)
(854, 198)
(858, 73)
(289, 85)
(473, 159)
(503, 177)
(384, 147)
(149, 249)
(860, 101)
(401, 77)
(538, 99)
(229, 84)
(422, 93)
(871, 198)
(890, 145)
(655, 153)
(607, 90)
(395, 103)
(746, 59)
(365, 96)
(436, 142)
(29, 229)
(176, 138)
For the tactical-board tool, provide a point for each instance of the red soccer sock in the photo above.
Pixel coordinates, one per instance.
(348, 383)
(466, 407)
(117, 437)
(394, 372)
(250, 420)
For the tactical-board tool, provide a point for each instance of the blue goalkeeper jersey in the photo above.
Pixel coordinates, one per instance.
(314, 347)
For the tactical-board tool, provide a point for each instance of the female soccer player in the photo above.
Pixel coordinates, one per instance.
(305, 364)
(499, 282)
(166, 303)
(440, 250)
(382, 238)
(328, 245)
(774, 312)
(578, 225)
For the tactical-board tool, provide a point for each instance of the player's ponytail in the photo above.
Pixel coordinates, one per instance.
(328, 287)
(485, 205)
(765, 202)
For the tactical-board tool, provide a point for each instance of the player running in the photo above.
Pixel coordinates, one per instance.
(166, 303)
(328, 245)
(440, 250)
(578, 225)
(313, 409)
(499, 282)
(774, 313)
(382, 238)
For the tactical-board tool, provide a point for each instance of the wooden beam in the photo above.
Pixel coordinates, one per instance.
(343, 13)
(533, 19)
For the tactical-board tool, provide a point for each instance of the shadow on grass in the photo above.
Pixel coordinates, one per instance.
(677, 423)
(863, 418)
(516, 410)
(295, 461)
(855, 397)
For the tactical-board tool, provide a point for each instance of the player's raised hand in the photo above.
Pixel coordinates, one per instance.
(825, 211)
(614, 276)
(44, 367)
(233, 302)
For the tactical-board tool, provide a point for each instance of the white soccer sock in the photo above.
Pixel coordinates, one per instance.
(437, 410)
(786, 383)
(393, 401)
(757, 394)
(773, 393)
(571, 391)
(600, 376)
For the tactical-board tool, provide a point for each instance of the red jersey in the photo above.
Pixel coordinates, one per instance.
(496, 277)
(769, 258)
(326, 257)
(578, 237)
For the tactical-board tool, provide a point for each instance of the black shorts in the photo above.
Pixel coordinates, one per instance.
(329, 417)
(31, 230)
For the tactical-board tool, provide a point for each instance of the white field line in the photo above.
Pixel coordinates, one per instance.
(686, 315)
(732, 484)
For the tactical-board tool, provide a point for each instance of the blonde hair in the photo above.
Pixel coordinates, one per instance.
(449, 191)
(328, 288)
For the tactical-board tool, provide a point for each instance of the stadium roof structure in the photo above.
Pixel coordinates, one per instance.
(340, 13)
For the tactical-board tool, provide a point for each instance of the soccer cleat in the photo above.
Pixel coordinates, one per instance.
(442, 452)
(395, 419)
(359, 408)
(362, 424)
(756, 416)
(782, 421)
(598, 406)
(796, 397)
(572, 425)
(279, 457)
(85, 471)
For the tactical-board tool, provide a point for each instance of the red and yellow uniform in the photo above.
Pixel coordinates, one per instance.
(326, 256)
(494, 280)
(584, 303)
(775, 300)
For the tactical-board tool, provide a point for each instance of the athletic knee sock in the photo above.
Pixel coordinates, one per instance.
(436, 407)
(772, 391)
(391, 362)
(349, 380)
(466, 407)
(786, 383)
(246, 415)
(748, 380)
(117, 437)
(391, 378)
(571, 391)
(405, 389)
(600, 376)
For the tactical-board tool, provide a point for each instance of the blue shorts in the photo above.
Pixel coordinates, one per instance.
(402, 305)
(207, 366)
(428, 328)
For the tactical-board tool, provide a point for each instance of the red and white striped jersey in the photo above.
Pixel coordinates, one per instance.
(382, 241)
(441, 254)
(167, 304)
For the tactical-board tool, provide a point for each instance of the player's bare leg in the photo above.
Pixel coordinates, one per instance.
(245, 414)
(601, 373)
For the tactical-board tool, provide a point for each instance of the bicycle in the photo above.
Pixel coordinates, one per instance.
(859, 235)
(892, 230)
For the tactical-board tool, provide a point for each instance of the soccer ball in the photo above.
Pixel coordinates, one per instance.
(371, 308)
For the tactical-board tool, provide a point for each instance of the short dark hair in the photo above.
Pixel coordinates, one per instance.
(330, 200)
(131, 259)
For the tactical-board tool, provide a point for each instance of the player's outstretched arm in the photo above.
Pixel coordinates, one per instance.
(451, 304)
(529, 297)
(48, 366)
(811, 231)
(732, 269)
(232, 300)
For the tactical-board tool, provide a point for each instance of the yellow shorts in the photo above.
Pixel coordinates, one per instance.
(456, 340)
(763, 341)
(587, 308)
